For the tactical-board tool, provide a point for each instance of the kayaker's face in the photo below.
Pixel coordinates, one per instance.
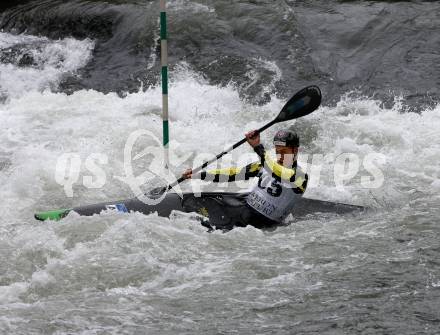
(286, 155)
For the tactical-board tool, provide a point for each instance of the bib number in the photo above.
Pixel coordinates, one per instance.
(274, 189)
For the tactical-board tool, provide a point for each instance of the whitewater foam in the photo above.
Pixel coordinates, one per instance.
(38, 63)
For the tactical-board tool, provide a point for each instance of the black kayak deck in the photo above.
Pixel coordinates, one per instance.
(221, 208)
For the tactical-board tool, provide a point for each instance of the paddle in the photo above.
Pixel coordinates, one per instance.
(302, 103)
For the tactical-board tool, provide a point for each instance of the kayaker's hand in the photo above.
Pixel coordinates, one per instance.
(187, 174)
(253, 138)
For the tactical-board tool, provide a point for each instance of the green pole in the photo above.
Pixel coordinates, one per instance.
(164, 63)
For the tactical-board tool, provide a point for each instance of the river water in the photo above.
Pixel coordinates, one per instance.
(80, 77)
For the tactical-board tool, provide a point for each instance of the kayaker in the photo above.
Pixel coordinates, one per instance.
(280, 182)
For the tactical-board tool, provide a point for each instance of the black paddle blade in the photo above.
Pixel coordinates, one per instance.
(302, 103)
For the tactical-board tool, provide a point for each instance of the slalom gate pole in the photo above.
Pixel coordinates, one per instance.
(164, 64)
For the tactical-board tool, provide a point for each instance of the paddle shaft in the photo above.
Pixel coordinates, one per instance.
(220, 155)
(302, 103)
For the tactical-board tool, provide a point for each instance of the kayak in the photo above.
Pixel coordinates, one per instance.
(220, 209)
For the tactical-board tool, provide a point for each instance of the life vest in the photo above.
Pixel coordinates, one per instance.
(274, 197)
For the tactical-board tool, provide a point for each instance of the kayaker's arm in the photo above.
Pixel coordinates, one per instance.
(299, 183)
(228, 174)
(253, 138)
